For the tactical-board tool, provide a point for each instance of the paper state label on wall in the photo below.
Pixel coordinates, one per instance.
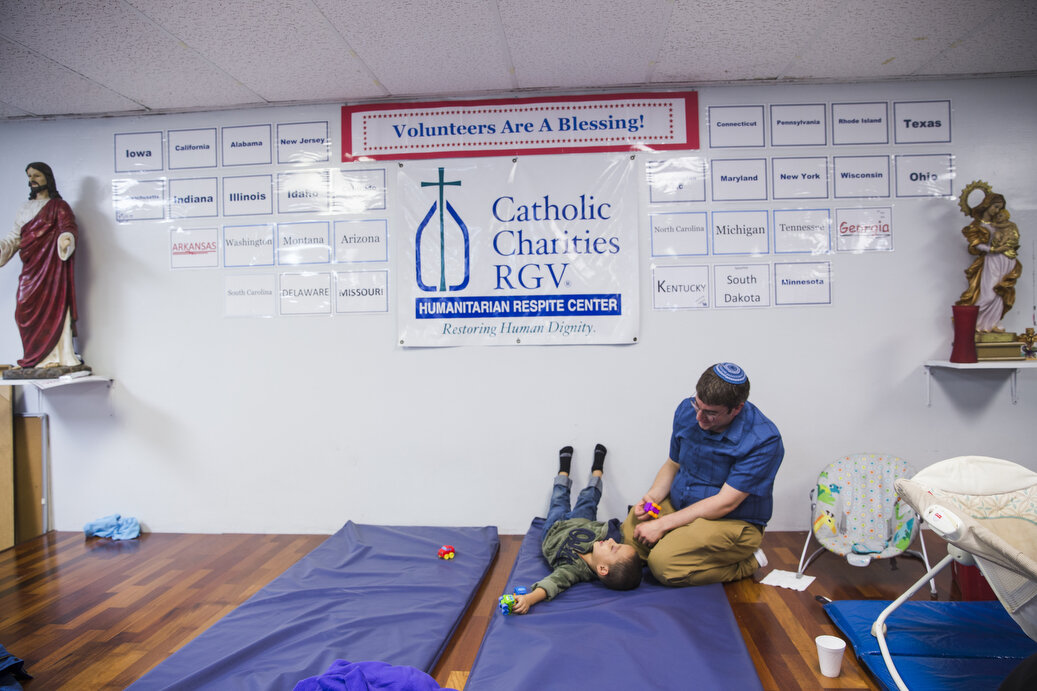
(734, 126)
(139, 200)
(803, 283)
(250, 295)
(302, 192)
(800, 178)
(246, 145)
(679, 234)
(138, 152)
(355, 191)
(860, 123)
(676, 180)
(194, 198)
(802, 231)
(303, 243)
(924, 175)
(362, 240)
(744, 285)
(740, 232)
(192, 148)
(193, 248)
(361, 291)
(305, 293)
(799, 125)
(248, 195)
(680, 287)
(303, 142)
(861, 176)
(248, 245)
(739, 179)
(921, 122)
(864, 230)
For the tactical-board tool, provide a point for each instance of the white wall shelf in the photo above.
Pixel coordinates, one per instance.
(64, 380)
(1012, 365)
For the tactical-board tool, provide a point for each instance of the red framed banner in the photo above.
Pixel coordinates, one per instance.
(512, 126)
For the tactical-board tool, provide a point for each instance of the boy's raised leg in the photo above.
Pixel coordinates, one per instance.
(589, 496)
(560, 496)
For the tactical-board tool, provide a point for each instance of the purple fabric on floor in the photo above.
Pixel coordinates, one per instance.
(344, 675)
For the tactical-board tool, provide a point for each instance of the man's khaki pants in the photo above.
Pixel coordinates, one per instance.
(704, 551)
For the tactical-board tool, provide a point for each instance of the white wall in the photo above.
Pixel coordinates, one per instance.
(299, 424)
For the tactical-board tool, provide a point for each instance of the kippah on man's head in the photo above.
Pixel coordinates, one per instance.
(724, 383)
(730, 372)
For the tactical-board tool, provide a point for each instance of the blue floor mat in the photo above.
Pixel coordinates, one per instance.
(590, 637)
(366, 593)
(960, 646)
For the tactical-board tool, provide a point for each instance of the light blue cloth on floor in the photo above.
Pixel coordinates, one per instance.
(114, 526)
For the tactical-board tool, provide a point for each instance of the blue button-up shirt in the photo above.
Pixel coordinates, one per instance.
(746, 456)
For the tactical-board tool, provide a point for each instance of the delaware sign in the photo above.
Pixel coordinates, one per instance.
(534, 251)
(508, 127)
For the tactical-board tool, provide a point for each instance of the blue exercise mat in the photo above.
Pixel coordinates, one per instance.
(959, 646)
(590, 637)
(368, 592)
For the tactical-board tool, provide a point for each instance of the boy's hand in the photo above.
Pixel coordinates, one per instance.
(639, 508)
(523, 603)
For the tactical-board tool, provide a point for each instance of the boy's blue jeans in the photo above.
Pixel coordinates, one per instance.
(586, 501)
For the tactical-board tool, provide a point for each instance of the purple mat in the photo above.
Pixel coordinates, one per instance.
(368, 592)
(590, 637)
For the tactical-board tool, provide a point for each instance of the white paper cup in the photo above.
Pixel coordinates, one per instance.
(830, 651)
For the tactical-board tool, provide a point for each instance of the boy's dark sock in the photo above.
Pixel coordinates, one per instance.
(565, 459)
(599, 458)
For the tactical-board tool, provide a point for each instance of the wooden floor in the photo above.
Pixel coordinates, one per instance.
(91, 614)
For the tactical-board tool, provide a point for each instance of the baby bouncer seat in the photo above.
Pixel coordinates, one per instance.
(986, 508)
(856, 513)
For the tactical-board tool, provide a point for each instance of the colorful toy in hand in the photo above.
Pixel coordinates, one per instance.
(446, 552)
(651, 509)
(506, 603)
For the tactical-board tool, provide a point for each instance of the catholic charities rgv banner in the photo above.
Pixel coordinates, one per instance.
(505, 127)
(538, 250)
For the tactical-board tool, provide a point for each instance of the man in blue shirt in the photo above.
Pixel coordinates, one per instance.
(715, 489)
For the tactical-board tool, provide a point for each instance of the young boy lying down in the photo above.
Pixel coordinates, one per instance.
(576, 545)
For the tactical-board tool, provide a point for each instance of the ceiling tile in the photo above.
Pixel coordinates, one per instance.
(282, 50)
(113, 44)
(38, 86)
(427, 48)
(114, 56)
(595, 43)
(882, 39)
(1004, 41)
(727, 41)
(9, 111)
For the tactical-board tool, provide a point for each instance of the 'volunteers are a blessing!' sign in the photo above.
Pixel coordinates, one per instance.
(504, 127)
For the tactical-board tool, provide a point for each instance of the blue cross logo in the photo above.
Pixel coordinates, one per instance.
(441, 184)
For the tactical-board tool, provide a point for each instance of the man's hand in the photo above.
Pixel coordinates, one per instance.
(650, 532)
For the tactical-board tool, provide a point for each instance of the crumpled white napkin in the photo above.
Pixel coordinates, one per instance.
(787, 579)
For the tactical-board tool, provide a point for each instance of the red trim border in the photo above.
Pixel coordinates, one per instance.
(690, 133)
